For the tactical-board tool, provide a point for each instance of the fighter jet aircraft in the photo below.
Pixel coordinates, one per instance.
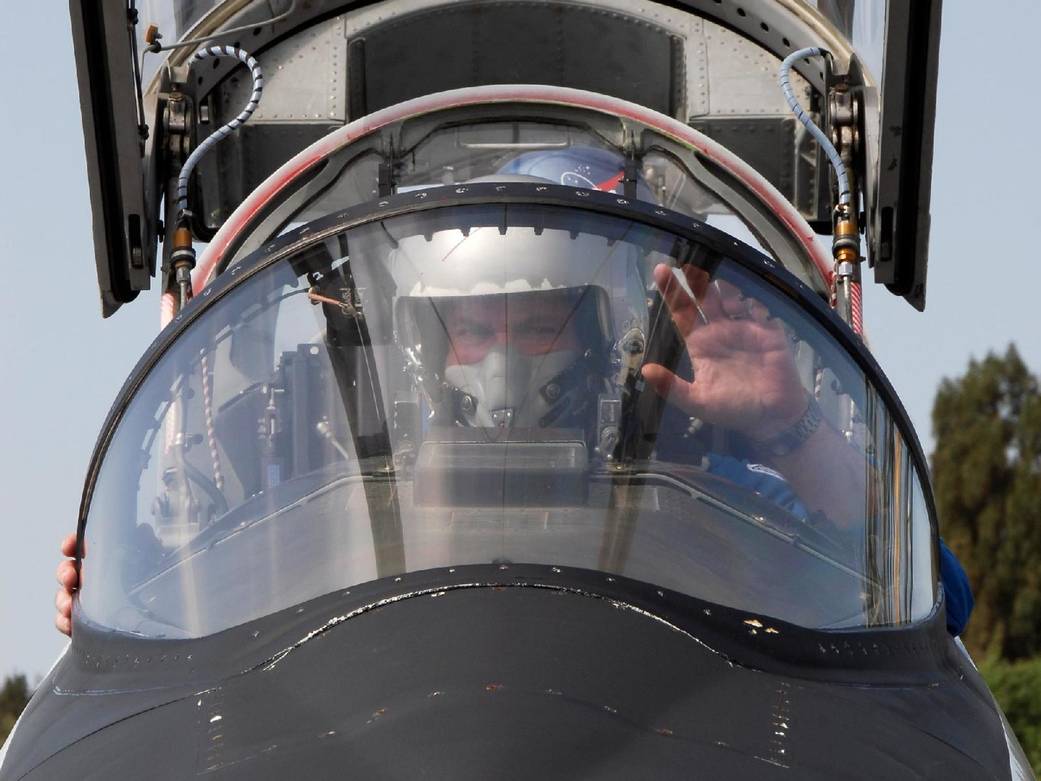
(512, 415)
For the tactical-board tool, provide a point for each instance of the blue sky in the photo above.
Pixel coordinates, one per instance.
(63, 364)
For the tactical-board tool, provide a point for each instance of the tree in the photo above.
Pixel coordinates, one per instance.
(14, 696)
(1015, 686)
(987, 478)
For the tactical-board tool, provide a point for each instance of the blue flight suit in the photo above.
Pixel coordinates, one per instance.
(774, 488)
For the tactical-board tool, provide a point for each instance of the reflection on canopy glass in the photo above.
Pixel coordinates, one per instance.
(505, 384)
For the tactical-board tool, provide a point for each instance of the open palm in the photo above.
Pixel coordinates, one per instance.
(744, 371)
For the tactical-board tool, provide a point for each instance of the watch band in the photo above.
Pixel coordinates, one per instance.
(793, 437)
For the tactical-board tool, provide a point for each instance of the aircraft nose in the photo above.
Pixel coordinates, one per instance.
(520, 682)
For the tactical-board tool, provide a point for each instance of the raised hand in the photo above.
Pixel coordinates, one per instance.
(744, 371)
(68, 580)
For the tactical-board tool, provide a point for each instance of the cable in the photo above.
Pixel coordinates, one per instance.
(211, 429)
(182, 257)
(848, 299)
(222, 132)
(802, 116)
(156, 47)
(857, 308)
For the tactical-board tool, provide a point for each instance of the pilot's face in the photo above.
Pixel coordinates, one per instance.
(531, 324)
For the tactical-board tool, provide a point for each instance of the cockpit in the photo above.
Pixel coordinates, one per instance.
(573, 312)
(506, 373)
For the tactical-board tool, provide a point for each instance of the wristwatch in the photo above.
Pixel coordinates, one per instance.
(793, 437)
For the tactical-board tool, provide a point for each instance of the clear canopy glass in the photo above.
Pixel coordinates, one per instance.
(455, 151)
(489, 384)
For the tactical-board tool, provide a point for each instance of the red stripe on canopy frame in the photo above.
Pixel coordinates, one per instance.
(244, 216)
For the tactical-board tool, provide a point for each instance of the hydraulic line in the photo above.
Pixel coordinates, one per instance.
(182, 258)
(154, 45)
(254, 100)
(821, 137)
(845, 247)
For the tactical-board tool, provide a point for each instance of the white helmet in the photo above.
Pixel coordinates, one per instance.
(517, 327)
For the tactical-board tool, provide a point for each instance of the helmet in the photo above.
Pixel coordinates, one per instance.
(521, 330)
(516, 328)
(579, 166)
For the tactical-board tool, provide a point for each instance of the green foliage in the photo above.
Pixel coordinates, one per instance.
(987, 478)
(14, 696)
(1015, 686)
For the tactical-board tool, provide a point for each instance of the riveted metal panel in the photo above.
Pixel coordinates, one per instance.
(743, 76)
(305, 79)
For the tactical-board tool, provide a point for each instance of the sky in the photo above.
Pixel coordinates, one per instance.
(63, 364)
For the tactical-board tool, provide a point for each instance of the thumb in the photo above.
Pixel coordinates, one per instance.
(671, 387)
(661, 379)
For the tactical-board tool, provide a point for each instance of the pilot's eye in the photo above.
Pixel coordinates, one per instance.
(536, 337)
(470, 332)
(536, 331)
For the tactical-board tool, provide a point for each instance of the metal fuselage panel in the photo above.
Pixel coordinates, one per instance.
(522, 679)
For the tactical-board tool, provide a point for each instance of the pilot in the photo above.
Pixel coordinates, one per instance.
(605, 170)
(498, 362)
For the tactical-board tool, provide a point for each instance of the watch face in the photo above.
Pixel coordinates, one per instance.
(795, 435)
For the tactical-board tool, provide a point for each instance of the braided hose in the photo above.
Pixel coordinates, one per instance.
(857, 315)
(855, 312)
(222, 132)
(167, 310)
(211, 429)
(818, 134)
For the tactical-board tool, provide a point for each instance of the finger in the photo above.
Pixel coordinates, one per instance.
(670, 387)
(698, 279)
(68, 577)
(735, 339)
(68, 545)
(682, 307)
(63, 602)
(63, 624)
(758, 311)
(706, 293)
(733, 302)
